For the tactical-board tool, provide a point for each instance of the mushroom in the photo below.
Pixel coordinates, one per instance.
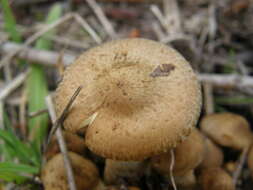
(213, 156)
(145, 94)
(227, 129)
(74, 144)
(116, 170)
(231, 167)
(188, 156)
(215, 179)
(54, 175)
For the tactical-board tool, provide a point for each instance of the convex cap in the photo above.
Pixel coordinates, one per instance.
(54, 175)
(146, 96)
(228, 129)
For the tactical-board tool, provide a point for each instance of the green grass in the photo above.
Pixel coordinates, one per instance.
(23, 158)
(234, 100)
(10, 22)
(37, 86)
(230, 67)
(14, 150)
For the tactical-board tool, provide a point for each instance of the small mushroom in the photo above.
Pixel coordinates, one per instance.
(74, 144)
(213, 156)
(54, 175)
(132, 171)
(215, 179)
(227, 129)
(136, 87)
(231, 167)
(188, 156)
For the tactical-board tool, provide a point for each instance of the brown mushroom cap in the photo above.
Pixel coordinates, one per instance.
(74, 144)
(213, 156)
(54, 175)
(215, 179)
(227, 129)
(146, 96)
(188, 156)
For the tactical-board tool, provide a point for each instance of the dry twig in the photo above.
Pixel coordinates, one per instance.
(62, 145)
(37, 56)
(241, 162)
(34, 37)
(88, 28)
(16, 82)
(227, 80)
(171, 169)
(63, 115)
(37, 113)
(102, 18)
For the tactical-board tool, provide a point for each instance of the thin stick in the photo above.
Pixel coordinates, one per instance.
(160, 17)
(102, 18)
(231, 80)
(171, 169)
(158, 31)
(16, 82)
(68, 42)
(1, 114)
(45, 57)
(62, 145)
(34, 37)
(240, 165)
(37, 113)
(63, 115)
(88, 28)
(208, 98)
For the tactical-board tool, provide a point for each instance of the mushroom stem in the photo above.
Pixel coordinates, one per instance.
(100, 186)
(188, 180)
(129, 170)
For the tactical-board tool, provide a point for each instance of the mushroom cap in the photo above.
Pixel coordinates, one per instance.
(74, 144)
(216, 179)
(146, 96)
(227, 129)
(54, 175)
(213, 156)
(188, 155)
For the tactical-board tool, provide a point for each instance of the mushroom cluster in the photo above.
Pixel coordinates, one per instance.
(137, 113)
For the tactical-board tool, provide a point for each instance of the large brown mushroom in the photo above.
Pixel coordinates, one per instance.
(145, 94)
(54, 175)
(227, 129)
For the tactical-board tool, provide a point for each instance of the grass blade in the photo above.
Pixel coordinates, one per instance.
(37, 85)
(12, 177)
(21, 150)
(17, 168)
(10, 22)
